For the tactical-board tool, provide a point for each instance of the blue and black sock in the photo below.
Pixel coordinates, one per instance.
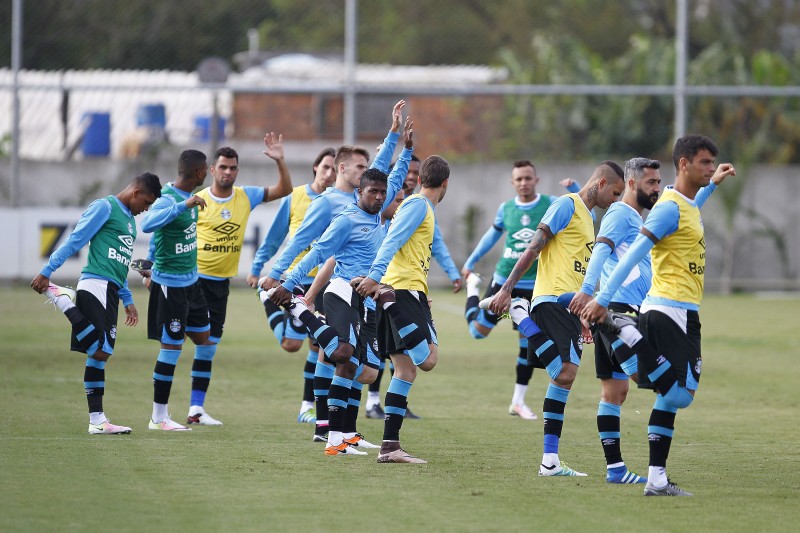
(608, 426)
(555, 402)
(163, 374)
(353, 405)
(524, 367)
(395, 406)
(660, 430)
(308, 375)
(86, 337)
(94, 383)
(201, 372)
(338, 398)
(323, 374)
(276, 318)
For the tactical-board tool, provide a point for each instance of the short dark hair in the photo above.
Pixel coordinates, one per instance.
(524, 163)
(372, 175)
(344, 153)
(634, 168)
(614, 167)
(688, 146)
(434, 171)
(322, 155)
(190, 161)
(415, 158)
(149, 182)
(226, 151)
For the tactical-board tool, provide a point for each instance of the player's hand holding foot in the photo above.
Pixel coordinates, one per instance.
(594, 313)
(578, 302)
(280, 296)
(269, 283)
(500, 302)
(368, 287)
(39, 283)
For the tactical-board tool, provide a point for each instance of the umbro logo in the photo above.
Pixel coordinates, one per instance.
(524, 235)
(127, 240)
(191, 229)
(590, 246)
(365, 229)
(227, 228)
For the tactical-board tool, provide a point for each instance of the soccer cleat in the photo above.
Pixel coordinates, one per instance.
(616, 321)
(342, 449)
(203, 419)
(320, 438)
(522, 411)
(141, 265)
(400, 456)
(519, 310)
(358, 441)
(107, 428)
(167, 425)
(474, 280)
(53, 292)
(309, 416)
(559, 470)
(670, 489)
(376, 411)
(410, 415)
(622, 476)
(385, 295)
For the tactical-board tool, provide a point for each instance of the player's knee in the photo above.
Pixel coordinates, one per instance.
(475, 332)
(368, 375)
(100, 355)
(679, 397)
(430, 361)
(291, 345)
(198, 337)
(567, 375)
(341, 355)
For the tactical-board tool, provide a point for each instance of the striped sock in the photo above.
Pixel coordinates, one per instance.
(555, 402)
(338, 398)
(163, 374)
(660, 430)
(308, 375)
(524, 367)
(94, 383)
(201, 372)
(353, 405)
(395, 405)
(608, 426)
(275, 317)
(323, 374)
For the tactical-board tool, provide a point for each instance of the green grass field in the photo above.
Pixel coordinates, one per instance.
(737, 448)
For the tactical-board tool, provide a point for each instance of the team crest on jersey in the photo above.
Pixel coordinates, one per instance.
(130, 227)
(225, 214)
(524, 235)
(698, 367)
(193, 214)
(525, 220)
(127, 240)
(175, 325)
(113, 332)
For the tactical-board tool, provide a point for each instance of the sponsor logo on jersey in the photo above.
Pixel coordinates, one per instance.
(227, 228)
(525, 234)
(225, 214)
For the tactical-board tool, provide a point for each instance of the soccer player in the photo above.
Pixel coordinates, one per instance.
(518, 218)
(353, 238)
(667, 340)
(397, 281)
(289, 217)
(562, 243)
(177, 306)
(108, 227)
(350, 162)
(220, 235)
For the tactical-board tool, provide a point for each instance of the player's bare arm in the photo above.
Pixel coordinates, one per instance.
(131, 315)
(502, 300)
(274, 150)
(397, 116)
(723, 171)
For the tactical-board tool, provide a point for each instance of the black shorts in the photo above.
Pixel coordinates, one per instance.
(98, 300)
(491, 290)
(606, 364)
(174, 310)
(216, 292)
(561, 327)
(680, 348)
(415, 305)
(346, 313)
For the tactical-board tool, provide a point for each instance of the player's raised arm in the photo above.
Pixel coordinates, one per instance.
(274, 150)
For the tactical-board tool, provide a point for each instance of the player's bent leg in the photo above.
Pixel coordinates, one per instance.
(433, 357)
(395, 404)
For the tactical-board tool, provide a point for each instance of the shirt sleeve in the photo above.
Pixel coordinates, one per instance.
(640, 247)
(384, 157)
(594, 270)
(574, 187)
(317, 218)
(488, 240)
(613, 226)
(125, 294)
(275, 236)
(559, 214)
(397, 177)
(334, 238)
(704, 193)
(254, 194)
(162, 212)
(663, 219)
(88, 225)
(442, 255)
(409, 216)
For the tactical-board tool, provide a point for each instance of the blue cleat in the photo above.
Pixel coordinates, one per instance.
(622, 476)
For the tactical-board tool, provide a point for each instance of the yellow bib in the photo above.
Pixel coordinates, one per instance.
(220, 233)
(562, 263)
(409, 268)
(297, 212)
(679, 259)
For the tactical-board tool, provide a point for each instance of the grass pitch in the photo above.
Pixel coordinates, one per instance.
(736, 448)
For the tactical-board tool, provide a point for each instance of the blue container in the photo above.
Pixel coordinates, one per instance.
(202, 128)
(152, 115)
(97, 138)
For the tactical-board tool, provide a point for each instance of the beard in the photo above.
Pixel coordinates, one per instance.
(645, 200)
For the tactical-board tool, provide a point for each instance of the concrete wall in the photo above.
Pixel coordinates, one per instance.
(768, 208)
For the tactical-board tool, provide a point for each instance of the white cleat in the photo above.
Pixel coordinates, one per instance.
(202, 418)
(167, 425)
(107, 428)
(54, 292)
(559, 470)
(358, 441)
(522, 411)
